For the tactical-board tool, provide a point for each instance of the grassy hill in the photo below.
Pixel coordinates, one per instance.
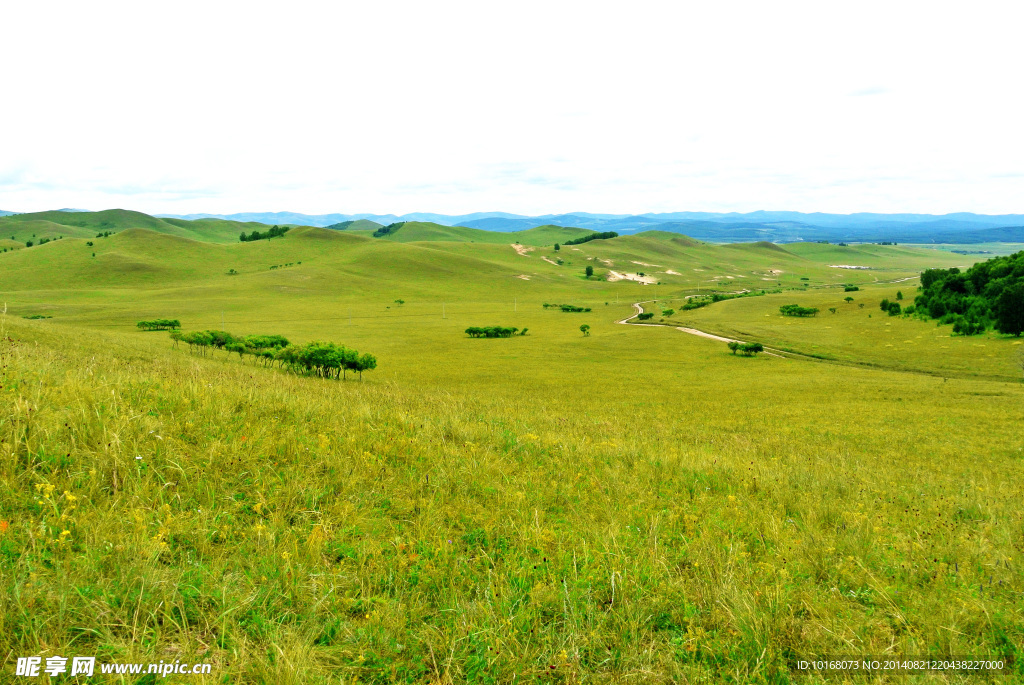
(356, 225)
(88, 224)
(634, 505)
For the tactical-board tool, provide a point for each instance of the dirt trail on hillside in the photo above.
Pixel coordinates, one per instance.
(638, 306)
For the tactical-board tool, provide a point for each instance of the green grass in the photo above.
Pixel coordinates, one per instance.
(88, 224)
(638, 505)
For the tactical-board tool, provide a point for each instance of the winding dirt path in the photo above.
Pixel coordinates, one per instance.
(638, 306)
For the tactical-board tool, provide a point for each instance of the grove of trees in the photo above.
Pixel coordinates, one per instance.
(493, 331)
(272, 232)
(159, 324)
(321, 359)
(746, 349)
(605, 235)
(797, 310)
(989, 294)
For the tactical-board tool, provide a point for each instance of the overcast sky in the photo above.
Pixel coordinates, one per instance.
(528, 107)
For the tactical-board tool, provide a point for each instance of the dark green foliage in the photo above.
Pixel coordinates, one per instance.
(159, 324)
(745, 349)
(1010, 310)
(668, 312)
(975, 298)
(28, 243)
(851, 288)
(589, 271)
(894, 309)
(585, 329)
(557, 247)
(645, 316)
(605, 235)
(492, 331)
(899, 294)
(797, 310)
(272, 232)
(37, 316)
(88, 243)
(388, 230)
(964, 326)
(104, 234)
(567, 307)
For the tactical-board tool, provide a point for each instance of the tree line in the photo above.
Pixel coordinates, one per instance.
(493, 331)
(989, 294)
(604, 235)
(272, 232)
(566, 307)
(159, 324)
(321, 359)
(797, 310)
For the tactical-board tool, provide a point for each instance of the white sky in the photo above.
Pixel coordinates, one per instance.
(529, 107)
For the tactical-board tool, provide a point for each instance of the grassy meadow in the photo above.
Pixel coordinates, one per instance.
(636, 505)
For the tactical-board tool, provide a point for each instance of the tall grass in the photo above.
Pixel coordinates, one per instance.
(710, 522)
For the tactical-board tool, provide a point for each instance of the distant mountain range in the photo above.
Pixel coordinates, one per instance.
(778, 227)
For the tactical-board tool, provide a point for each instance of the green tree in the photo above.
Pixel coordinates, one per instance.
(1010, 310)
(899, 294)
(589, 271)
(733, 345)
(848, 299)
(557, 247)
(585, 329)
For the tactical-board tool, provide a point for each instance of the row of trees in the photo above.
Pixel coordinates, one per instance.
(159, 324)
(272, 232)
(567, 307)
(493, 331)
(797, 310)
(989, 294)
(746, 349)
(322, 359)
(604, 235)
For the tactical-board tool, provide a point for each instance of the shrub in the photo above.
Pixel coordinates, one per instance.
(645, 316)
(851, 288)
(746, 349)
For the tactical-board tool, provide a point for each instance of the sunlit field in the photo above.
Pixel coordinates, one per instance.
(633, 505)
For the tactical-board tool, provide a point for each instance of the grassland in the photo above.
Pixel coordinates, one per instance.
(633, 506)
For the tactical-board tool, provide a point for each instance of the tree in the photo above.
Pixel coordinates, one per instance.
(832, 309)
(1010, 310)
(899, 294)
(848, 299)
(589, 271)
(557, 247)
(733, 345)
(585, 329)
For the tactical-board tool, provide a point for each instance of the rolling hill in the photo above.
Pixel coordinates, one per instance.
(53, 224)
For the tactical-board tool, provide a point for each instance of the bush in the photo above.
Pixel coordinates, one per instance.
(645, 316)
(851, 288)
